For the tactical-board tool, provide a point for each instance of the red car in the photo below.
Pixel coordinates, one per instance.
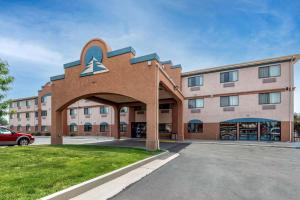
(9, 137)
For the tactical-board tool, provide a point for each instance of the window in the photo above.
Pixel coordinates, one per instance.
(27, 103)
(19, 115)
(269, 71)
(36, 101)
(195, 126)
(73, 127)
(36, 128)
(19, 128)
(18, 104)
(11, 105)
(230, 76)
(28, 128)
(36, 114)
(4, 131)
(73, 111)
(195, 81)
(10, 116)
(87, 111)
(196, 103)
(123, 127)
(165, 106)
(88, 127)
(104, 127)
(104, 110)
(124, 110)
(44, 128)
(270, 131)
(44, 113)
(43, 99)
(27, 115)
(165, 128)
(270, 98)
(229, 101)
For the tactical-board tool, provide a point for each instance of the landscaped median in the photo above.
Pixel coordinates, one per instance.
(36, 171)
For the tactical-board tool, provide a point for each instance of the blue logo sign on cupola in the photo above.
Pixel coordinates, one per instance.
(93, 62)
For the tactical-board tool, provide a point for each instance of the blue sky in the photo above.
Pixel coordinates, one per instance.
(37, 37)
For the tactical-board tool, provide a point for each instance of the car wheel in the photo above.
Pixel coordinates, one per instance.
(23, 142)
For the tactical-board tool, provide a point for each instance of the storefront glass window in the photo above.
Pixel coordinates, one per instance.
(270, 131)
(248, 131)
(228, 131)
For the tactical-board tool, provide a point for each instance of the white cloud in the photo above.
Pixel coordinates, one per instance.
(29, 51)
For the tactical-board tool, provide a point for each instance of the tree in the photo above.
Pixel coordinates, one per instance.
(5, 81)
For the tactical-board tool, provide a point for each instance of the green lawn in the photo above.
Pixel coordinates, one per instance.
(36, 171)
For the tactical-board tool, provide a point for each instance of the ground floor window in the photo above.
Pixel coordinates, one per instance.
(28, 128)
(19, 128)
(195, 126)
(36, 128)
(123, 127)
(44, 128)
(87, 127)
(165, 128)
(228, 131)
(270, 131)
(104, 127)
(73, 128)
(248, 130)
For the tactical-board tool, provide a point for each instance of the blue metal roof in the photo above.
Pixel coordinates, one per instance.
(58, 77)
(240, 120)
(148, 57)
(121, 51)
(72, 64)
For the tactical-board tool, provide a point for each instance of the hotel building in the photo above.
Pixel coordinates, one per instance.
(114, 93)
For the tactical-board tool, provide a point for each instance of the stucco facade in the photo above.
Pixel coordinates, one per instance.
(252, 100)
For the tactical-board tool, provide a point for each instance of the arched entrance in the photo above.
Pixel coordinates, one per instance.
(118, 79)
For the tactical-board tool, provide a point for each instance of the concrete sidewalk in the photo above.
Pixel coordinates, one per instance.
(115, 186)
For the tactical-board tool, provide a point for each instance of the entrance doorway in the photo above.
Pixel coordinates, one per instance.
(138, 130)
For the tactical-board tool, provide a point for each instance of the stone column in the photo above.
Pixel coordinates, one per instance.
(152, 140)
(57, 126)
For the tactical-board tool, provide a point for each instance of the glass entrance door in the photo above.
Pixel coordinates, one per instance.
(248, 131)
(138, 130)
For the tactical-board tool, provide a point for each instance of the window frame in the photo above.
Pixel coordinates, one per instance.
(201, 82)
(89, 111)
(269, 66)
(189, 124)
(269, 103)
(87, 125)
(237, 76)
(104, 108)
(195, 103)
(238, 101)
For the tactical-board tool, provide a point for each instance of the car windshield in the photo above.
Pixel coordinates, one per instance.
(4, 131)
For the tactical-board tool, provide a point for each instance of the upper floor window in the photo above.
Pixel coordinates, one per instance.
(87, 111)
(270, 98)
(195, 81)
(72, 111)
(44, 113)
(10, 116)
(27, 102)
(36, 114)
(230, 76)
(18, 115)
(27, 115)
(196, 103)
(229, 101)
(269, 71)
(104, 110)
(36, 101)
(18, 104)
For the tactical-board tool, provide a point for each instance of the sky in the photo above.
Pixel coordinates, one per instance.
(38, 37)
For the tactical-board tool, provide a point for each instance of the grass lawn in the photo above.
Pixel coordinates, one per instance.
(36, 171)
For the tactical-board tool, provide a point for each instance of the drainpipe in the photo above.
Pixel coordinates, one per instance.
(291, 86)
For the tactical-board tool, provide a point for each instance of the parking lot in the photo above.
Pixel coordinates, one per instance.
(223, 171)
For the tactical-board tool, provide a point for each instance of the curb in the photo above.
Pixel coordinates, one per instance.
(80, 188)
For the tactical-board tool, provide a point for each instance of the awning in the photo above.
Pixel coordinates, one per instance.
(195, 121)
(240, 120)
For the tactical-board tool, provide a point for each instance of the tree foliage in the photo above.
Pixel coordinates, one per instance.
(5, 80)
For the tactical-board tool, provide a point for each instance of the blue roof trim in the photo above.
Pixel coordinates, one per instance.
(176, 66)
(58, 77)
(72, 64)
(148, 57)
(87, 74)
(195, 121)
(166, 62)
(120, 52)
(240, 120)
